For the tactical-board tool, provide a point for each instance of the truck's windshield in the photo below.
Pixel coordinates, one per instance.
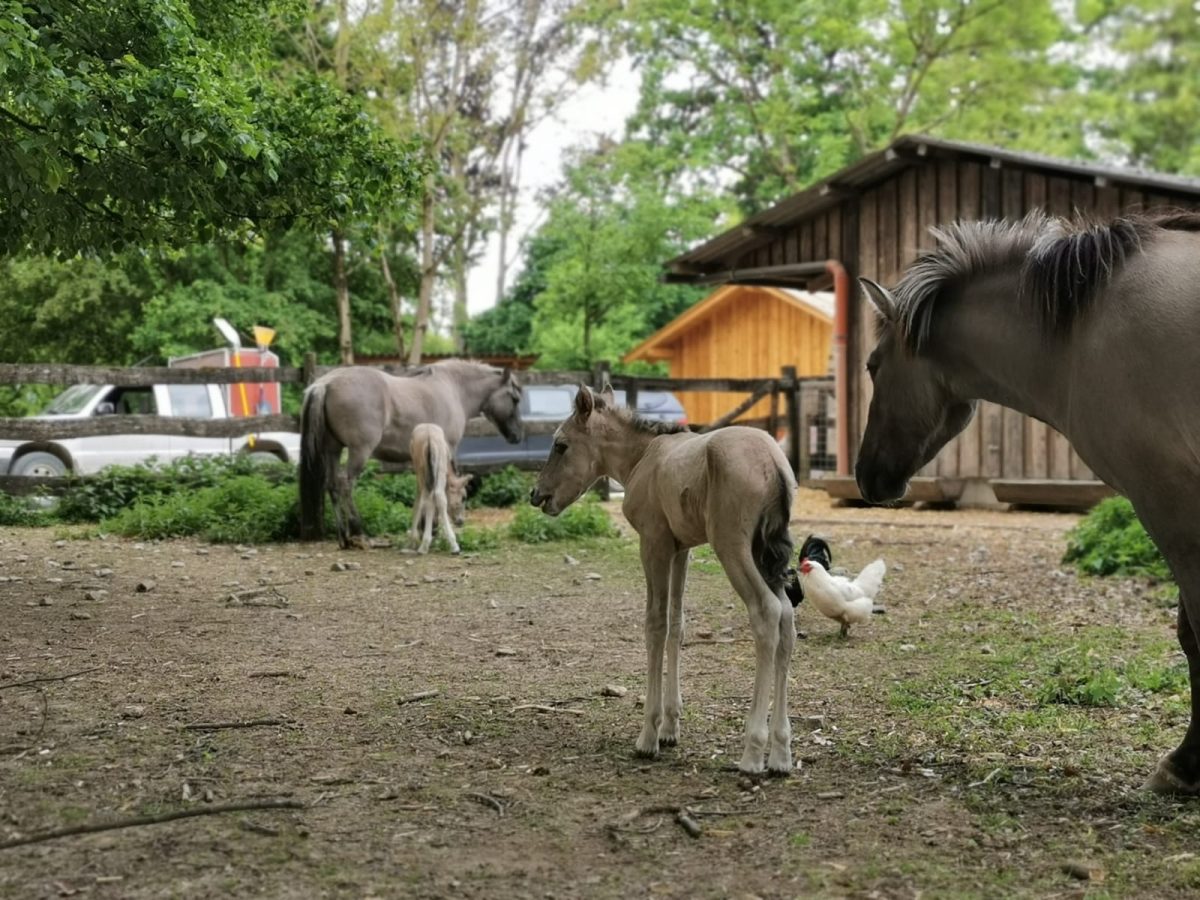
(72, 400)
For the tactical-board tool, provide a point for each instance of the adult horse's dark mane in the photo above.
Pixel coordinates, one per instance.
(1063, 263)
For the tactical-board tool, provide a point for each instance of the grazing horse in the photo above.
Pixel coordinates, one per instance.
(1092, 329)
(371, 413)
(731, 488)
(441, 492)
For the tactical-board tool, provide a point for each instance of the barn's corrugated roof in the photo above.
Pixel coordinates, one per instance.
(902, 153)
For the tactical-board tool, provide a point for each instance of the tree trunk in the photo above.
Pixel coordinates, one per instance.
(460, 295)
(428, 275)
(395, 302)
(341, 289)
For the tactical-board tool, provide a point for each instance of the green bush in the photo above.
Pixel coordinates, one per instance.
(472, 539)
(507, 487)
(1111, 541)
(586, 518)
(21, 511)
(399, 488)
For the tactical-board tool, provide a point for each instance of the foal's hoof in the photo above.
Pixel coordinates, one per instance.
(1165, 781)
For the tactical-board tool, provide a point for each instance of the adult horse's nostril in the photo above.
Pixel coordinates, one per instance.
(534, 500)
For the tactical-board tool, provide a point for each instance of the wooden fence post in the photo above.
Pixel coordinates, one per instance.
(601, 372)
(309, 368)
(791, 388)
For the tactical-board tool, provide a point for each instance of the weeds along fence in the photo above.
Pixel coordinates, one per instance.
(798, 407)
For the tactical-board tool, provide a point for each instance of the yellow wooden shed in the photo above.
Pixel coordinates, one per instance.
(742, 331)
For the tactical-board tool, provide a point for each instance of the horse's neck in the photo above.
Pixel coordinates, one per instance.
(472, 390)
(994, 348)
(622, 448)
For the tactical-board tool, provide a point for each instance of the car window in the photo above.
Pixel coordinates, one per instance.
(72, 400)
(132, 401)
(552, 403)
(190, 400)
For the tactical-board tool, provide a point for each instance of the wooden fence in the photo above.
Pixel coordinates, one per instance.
(793, 404)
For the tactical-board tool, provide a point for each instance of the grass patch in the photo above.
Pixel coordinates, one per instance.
(586, 518)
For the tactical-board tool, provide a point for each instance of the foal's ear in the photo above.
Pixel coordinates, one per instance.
(882, 298)
(585, 402)
(606, 394)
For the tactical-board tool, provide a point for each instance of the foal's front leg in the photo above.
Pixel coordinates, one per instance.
(668, 731)
(656, 564)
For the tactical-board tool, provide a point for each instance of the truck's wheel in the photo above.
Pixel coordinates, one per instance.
(39, 463)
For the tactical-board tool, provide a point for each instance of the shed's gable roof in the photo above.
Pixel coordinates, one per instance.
(903, 153)
(817, 305)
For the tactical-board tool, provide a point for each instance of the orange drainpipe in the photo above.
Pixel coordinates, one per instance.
(841, 371)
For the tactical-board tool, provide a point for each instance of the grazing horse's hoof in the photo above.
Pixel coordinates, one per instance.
(1165, 781)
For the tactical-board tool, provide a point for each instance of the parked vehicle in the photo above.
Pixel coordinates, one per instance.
(553, 403)
(85, 455)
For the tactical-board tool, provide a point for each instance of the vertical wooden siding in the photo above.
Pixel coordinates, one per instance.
(752, 336)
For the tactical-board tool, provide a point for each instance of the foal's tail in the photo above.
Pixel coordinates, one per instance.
(314, 469)
(772, 543)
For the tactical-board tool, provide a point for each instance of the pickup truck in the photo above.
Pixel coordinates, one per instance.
(86, 455)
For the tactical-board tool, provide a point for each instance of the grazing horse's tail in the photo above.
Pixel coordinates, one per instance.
(772, 543)
(315, 476)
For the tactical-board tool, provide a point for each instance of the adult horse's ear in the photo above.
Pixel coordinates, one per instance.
(585, 402)
(882, 298)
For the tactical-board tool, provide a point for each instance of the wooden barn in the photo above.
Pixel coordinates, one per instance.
(742, 331)
(872, 218)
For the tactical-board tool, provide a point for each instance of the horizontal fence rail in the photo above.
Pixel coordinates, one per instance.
(797, 415)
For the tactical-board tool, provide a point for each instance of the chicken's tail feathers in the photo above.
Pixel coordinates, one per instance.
(870, 579)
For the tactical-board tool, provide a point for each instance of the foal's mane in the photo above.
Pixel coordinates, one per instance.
(648, 426)
(1063, 262)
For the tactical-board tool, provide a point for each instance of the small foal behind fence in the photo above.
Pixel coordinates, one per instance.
(440, 492)
(731, 488)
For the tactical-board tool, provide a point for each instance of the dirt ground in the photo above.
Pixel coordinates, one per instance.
(443, 724)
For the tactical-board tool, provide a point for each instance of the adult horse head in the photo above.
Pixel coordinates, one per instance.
(1088, 327)
(915, 410)
(502, 408)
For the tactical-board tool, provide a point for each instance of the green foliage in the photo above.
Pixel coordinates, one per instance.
(508, 487)
(398, 488)
(610, 225)
(162, 121)
(772, 95)
(1087, 676)
(21, 512)
(1080, 678)
(586, 518)
(473, 539)
(1111, 541)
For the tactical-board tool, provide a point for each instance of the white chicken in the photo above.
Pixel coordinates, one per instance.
(850, 602)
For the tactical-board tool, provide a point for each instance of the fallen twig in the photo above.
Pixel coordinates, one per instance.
(280, 674)
(486, 800)
(43, 680)
(541, 707)
(419, 695)
(241, 723)
(682, 815)
(688, 824)
(94, 827)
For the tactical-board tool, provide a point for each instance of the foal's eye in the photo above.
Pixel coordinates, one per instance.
(560, 448)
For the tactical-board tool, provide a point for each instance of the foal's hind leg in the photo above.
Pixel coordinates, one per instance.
(656, 563)
(668, 731)
(765, 610)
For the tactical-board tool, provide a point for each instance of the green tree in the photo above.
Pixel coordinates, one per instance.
(1145, 80)
(768, 96)
(164, 121)
(612, 225)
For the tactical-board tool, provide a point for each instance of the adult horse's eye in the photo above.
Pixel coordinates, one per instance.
(560, 447)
